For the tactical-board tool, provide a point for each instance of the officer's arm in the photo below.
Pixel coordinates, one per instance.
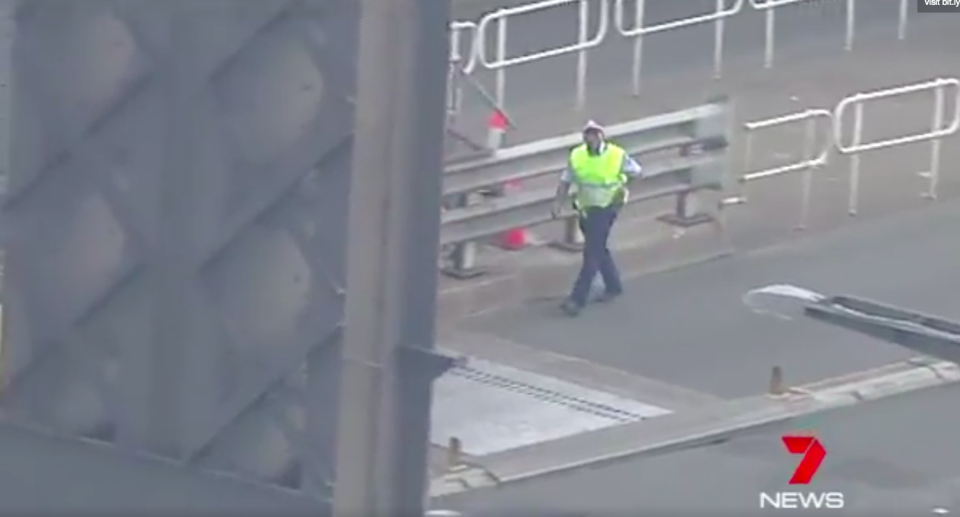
(563, 187)
(631, 169)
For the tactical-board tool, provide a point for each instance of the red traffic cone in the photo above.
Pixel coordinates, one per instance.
(497, 121)
(517, 238)
(496, 129)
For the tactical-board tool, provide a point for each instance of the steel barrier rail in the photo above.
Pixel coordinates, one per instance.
(936, 133)
(457, 28)
(532, 159)
(502, 62)
(811, 158)
(684, 153)
(770, 6)
(638, 31)
(533, 207)
(455, 184)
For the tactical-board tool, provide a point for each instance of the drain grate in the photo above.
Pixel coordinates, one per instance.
(492, 407)
(546, 395)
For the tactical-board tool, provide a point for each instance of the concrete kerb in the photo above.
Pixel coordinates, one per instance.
(696, 428)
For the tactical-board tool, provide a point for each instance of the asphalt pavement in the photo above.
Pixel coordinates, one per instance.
(896, 456)
(689, 326)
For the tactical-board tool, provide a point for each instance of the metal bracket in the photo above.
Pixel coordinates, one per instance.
(928, 335)
(425, 361)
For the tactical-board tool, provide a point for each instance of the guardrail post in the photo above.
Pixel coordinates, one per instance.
(688, 211)
(462, 262)
(572, 238)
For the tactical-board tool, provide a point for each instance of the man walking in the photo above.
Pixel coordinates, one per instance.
(601, 173)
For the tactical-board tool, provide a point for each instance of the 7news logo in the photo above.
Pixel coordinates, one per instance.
(813, 454)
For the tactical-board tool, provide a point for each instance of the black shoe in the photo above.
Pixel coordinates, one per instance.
(570, 308)
(608, 296)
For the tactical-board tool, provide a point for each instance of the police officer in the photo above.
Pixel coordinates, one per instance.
(601, 172)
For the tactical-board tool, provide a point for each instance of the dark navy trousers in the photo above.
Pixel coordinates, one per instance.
(596, 223)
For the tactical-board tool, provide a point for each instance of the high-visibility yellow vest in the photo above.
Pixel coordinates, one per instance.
(598, 178)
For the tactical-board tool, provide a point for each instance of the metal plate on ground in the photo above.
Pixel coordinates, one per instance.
(494, 408)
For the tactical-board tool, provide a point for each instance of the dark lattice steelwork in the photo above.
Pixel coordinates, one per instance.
(177, 206)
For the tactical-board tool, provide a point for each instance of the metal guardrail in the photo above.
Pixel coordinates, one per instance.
(817, 149)
(812, 157)
(528, 161)
(682, 152)
(938, 130)
(639, 30)
(634, 29)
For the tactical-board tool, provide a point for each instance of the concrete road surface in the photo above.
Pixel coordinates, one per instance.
(896, 456)
(689, 327)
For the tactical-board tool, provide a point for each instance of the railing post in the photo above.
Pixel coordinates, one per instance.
(851, 24)
(572, 238)
(637, 66)
(769, 38)
(936, 125)
(718, 32)
(501, 72)
(853, 199)
(583, 37)
(809, 155)
(902, 19)
(462, 263)
(688, 211)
